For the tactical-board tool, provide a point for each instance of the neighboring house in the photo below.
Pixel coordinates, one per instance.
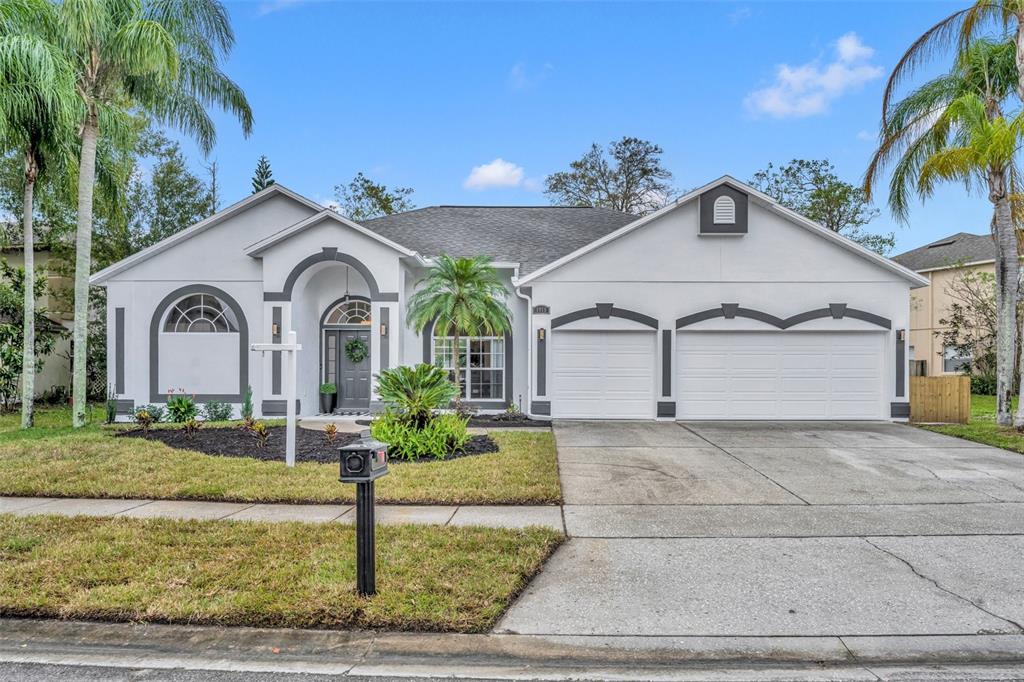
(57, 365)
(722, 305)
(941, 262)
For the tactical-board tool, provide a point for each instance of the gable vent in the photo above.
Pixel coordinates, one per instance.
(725, 211)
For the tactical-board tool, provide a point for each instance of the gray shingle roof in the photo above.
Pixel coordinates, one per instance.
(531, 235)
(962, 247)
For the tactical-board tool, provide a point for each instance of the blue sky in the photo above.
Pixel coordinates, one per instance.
(422, 94)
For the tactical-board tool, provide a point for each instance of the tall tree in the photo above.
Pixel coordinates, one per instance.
(158, 56)
(812, 189)
(363, 198)
(212, 169)
(952, 128)
(175, 197)
(263, 177)
(38, 108)
(460, 297)
(629, 177)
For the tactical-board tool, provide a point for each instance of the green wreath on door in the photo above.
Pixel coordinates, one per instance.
(356, 351)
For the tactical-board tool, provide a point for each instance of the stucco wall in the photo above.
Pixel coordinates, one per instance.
(666, 270)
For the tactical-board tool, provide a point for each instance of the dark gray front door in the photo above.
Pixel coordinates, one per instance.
(352, 378)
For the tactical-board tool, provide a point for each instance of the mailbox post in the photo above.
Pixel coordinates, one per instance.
(362, 463)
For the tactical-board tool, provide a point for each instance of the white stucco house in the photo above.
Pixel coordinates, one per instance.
(722, 305)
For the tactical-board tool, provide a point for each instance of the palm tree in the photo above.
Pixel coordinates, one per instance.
(460, 297)
(922, 134)
(162, 56)
(38, 108)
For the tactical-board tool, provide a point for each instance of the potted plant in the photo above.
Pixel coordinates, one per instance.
(328, 392)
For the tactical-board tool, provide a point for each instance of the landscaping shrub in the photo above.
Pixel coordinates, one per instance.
(216, 411)
(442, 435)
(330, 432)
(156, 412)
(247, 403)
(415, 392)
(181, 407)
(983, 384)
(261, 433)
(111, 405)
(144, 419)
(192, 426)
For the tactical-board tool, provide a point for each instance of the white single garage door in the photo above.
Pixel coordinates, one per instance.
(606, 375)
(779, 375)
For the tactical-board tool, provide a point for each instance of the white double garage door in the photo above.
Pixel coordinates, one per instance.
(719, 375)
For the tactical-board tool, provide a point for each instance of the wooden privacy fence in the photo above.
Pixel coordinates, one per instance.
(940, 399)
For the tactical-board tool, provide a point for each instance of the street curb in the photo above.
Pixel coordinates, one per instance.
(503, 656)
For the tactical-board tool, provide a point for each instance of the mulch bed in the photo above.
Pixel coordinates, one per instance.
(493, 421)
(310, 446)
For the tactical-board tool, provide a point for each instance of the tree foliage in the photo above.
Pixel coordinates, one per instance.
(970, 323)
(263, 176)
(362, 198)
(629, 177)
(812, 189)
(12, 329)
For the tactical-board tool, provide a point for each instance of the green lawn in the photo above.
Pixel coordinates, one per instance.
(52, 460)
(982, 427)
(262, 574)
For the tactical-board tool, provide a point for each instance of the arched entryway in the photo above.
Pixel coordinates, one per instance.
(345, 328)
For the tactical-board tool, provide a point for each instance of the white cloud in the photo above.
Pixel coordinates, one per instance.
(533, 184)
(497, 173)
(809, 89)
(739, 14)
(522, 77)
(271, 6)
(866, 135)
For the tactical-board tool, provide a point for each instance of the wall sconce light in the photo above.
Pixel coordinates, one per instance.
(275, 329)
(383, 329)
(540, 334)
(901, 334)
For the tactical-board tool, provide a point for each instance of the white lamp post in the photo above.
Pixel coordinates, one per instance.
(290, 350)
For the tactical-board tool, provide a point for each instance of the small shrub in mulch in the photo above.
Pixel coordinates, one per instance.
(310, 446)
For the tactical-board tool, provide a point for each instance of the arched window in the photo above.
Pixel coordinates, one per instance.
(349, 312)
(203, 313)
(725, 211)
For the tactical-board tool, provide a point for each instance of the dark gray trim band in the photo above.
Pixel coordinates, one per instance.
(899, 410)
(428, 334)
(732, 310)
(604, 311)
(278, 408)
(118, 351)
(542, 407)
(125, 407)
(155, 394)
(542, 363)
(901, 364)
(666, 365)
(666, 409)
(275, 357)
(329, 253)
(385, 341)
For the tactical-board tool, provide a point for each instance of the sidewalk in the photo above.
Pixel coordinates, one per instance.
(498, 516)
(354, 654)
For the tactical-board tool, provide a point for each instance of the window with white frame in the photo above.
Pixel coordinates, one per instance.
(955, 361)
(481, 359)
(352, 311)
(202, 313)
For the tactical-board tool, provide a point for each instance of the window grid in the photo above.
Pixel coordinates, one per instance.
(349, 312)
(200, 313)
(483, 357)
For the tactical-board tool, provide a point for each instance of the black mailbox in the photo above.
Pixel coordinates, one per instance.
(363, 461)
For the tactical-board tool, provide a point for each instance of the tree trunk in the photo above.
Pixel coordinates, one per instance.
(28, 355)
(83, 266)
(1007, 281)
(455, 366)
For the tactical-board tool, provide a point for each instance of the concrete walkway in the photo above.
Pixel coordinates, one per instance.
(496, 516)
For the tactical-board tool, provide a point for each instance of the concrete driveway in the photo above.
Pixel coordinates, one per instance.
(781, 529)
